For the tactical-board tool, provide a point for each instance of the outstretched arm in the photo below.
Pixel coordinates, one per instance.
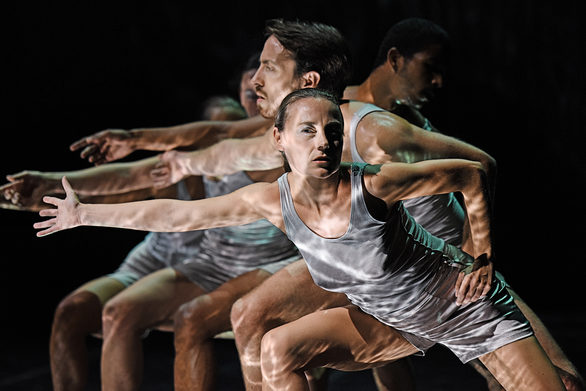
(113, 144)
(239, 207)
(224, 158)
(397, 181)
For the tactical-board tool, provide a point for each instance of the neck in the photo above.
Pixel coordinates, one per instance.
(315, 191)
(376, 89)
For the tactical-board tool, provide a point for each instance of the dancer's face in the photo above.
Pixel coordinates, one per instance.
(247, 95)
(275, 78)
(312, 137)
(420, 76)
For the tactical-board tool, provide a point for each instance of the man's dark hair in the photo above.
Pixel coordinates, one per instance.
(411, 36)
(315, 47)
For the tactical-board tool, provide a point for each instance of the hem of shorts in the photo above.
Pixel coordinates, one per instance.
(422, 350)
(124, 280)
(505, 341)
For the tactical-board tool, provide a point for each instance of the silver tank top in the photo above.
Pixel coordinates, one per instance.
(387, 268)
(259, 242)
(440, 214)
(162, 244)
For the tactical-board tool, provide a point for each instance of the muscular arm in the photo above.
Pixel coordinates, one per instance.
(398, 181)
(240, 207)
(383, 137)
(224, 158)
(110, 145)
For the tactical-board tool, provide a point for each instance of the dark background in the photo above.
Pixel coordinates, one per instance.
(515, 87)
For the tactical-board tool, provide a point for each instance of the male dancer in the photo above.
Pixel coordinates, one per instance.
(380, 136)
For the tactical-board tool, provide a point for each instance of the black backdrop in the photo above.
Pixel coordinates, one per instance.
(515, 88)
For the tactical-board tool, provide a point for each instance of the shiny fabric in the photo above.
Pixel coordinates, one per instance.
(399, 273)
(227, 252)
(159, 250)
(440, 214)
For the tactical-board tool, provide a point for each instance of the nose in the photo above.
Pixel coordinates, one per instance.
(323, 143)
(437, 80)
(256, 78)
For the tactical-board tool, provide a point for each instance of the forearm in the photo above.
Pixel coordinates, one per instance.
(196, 135)
(478, 212)
(107, 179)
(233, 155)
(161, 215)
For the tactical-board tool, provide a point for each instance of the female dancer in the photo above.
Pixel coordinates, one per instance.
(409, 289)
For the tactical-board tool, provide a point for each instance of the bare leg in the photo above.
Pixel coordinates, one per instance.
(197, 322)
(395, 376)
(287, 295)
(344, 338)
(77, 316)
(150, 302)
(567, 371)
(523, 365)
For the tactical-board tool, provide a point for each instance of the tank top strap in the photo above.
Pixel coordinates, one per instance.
(356, 118)
(290, 218)
(359, 208)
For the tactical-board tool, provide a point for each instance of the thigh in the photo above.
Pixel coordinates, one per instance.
(523, 365)
(104, 288)
(215, 306)
(343, 338)
(154, 299)
(291, 293)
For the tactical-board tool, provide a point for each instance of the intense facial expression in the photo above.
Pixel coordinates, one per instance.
(313, 137)
(275, 78)
(247, 95)
(419, 77)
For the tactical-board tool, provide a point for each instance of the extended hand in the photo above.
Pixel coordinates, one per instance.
(474, 281)
(24, 191)
(105, 146)
(170, 169)
(65, 215)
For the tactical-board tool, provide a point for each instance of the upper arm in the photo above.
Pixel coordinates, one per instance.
(245, 205)
(385, 137)
(397, 181)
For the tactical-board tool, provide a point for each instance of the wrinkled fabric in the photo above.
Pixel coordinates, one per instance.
(405, 277)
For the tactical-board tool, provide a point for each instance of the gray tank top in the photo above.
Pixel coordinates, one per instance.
(387, 268)
(165, 243)
(257, 242)
(441, 214)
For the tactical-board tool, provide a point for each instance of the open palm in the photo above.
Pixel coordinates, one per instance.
(65, 214)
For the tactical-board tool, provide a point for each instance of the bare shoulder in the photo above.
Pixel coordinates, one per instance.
(264, 198)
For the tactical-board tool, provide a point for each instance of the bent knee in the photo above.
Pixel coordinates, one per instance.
(118, 315)
(190, 318)
(249, 317)
(77, 306)
(279, 353)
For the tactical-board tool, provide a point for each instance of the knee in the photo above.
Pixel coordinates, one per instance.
(189, 320)
(249, 319)
(278, 354)
(76, 308)
(118, 319)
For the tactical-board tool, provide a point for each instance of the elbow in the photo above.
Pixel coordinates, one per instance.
(488, 164)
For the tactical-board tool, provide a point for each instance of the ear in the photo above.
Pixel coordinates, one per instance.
(395, 58)
(310, 80)
(277, 139)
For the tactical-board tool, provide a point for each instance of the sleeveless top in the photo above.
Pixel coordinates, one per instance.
(387, 268)
(440, 214)
(162, 244)
(259, 242)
